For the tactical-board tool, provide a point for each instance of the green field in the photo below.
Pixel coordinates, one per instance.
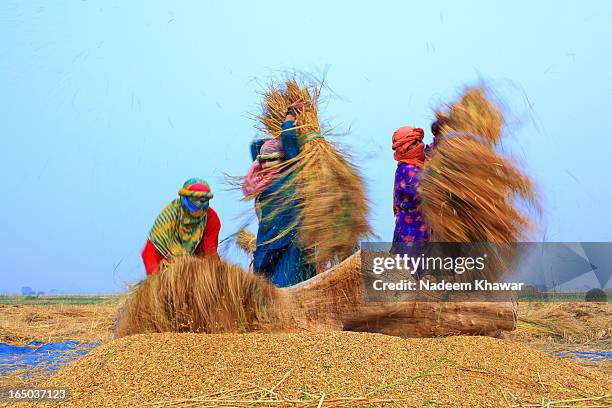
(44, 300)
(560, 297)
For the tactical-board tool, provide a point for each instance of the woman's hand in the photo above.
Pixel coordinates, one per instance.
(297, 107)
(301, 105)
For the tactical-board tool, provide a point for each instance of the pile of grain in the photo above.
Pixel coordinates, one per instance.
(301, 369)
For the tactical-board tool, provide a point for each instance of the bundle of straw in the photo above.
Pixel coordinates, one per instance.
(469, 192)
(193, 294)
(198, 295)
(475, 114)
(246, 241)
(330, 192)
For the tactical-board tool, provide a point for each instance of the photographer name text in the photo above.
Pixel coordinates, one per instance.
(477, 285)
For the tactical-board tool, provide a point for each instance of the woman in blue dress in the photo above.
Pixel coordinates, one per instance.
(278, 254)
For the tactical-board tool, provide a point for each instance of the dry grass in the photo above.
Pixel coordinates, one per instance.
(206, 296)
(567, 327)
(276, 101)
(86, 323)
(475, 114)
(246, 241)
(334, 210)
(20, 324)
(227, 299)
(339, 368)
(572, 322)
(469, 192)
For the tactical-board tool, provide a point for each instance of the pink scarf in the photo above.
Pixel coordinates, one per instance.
(258, 178)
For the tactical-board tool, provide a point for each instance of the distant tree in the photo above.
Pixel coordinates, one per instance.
(596, 295)
(40, 292)
(26, 290)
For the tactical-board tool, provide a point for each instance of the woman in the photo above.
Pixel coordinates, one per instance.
(278, 255)
(436, 130)
(409, 152)
(186, 226)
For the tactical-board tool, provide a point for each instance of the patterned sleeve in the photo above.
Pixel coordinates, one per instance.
(406, 181)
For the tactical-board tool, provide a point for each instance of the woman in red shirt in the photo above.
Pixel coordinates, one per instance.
(186, 226)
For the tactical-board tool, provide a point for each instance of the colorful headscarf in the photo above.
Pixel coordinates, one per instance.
(270, 154)
(178, 231)
(403, 139)
(264, 169)
(196, 187)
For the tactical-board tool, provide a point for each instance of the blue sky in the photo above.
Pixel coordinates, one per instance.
(106, 107)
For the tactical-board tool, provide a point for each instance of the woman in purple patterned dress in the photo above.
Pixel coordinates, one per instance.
(409, 152)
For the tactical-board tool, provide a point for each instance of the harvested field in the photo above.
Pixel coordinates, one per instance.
(50, 319)
(43, 319)
(564, 328)
(571, 322)
(301, 369)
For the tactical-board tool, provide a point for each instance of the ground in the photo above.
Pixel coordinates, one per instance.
(566, 327)
(552, 327)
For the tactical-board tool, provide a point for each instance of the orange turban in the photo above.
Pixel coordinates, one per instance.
(404, 150)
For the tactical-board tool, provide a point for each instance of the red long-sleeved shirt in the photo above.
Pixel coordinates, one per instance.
(207, 246)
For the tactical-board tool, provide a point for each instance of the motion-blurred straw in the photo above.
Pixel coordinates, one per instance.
(469, 192)
(334, 210)
(227, 299)
(475, 114)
